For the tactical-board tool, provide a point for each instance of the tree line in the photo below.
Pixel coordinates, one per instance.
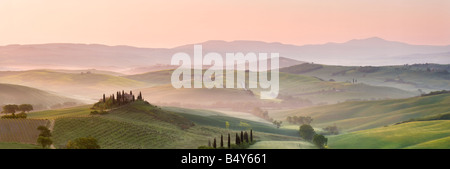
(299, 120)
(13, 108)
(242, 141)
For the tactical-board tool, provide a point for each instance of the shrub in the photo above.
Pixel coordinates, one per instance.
(83, 143)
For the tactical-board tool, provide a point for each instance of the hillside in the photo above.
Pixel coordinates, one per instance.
(217, 119)
(140, 125)
(86, 86)
(16, 94)
(412, 135)
(360, 115)
(18, 146)
(319, 91)
(426, 77)
(298, 88)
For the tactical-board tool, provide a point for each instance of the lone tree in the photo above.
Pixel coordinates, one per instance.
(83, 143)
(277, 123)
(10, 108)
(25, 107)
(44, 137)
(307, 132)
(320, 141)
(45, 132)
(44, 141)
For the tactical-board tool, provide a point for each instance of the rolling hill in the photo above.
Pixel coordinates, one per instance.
(413, 135)
(295, 86)
(86, 86)
(16, 94)
(140, 125)
(360, 115)
(426, 77)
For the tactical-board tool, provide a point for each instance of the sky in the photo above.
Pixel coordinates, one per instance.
(166, 24)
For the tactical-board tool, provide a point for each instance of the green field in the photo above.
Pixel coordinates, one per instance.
(138, 125)
(411, 135)
(360, 115)
(4, 145)
(282, 145)
(58, 113)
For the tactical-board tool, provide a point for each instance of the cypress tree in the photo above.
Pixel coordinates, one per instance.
(221, 141)
(209, 143)
(131, 92)
(123, 97)
(238, 141)
(113, 100)
(242, 137)
(214, 143)
(118, 98)
(104, 99)
(251, 135)
(246, 137)
(229, 143)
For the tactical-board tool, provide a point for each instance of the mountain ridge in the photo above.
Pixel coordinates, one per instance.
(372, 51)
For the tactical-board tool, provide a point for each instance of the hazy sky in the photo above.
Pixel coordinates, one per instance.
(165, 23)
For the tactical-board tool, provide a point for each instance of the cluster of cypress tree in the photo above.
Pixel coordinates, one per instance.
(121, 99)
(244, 137)
(117, 99)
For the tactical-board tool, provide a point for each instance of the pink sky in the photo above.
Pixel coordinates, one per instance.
(165, 23)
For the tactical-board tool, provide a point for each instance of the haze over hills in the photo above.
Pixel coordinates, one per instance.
(417, 77)
(84, 86)
(371, 51)
(16, 94)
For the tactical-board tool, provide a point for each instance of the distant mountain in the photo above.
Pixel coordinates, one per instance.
(16, 94)
(371, 51)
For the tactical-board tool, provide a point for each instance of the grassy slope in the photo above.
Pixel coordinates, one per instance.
(351, 116)
(317, 90)
(153, 78)
(424, 134)
(16, 94)
(300, 86)
(86, 85)
(59, 113)
(409, 78)
(282, 145)
(18, 146)
(141, 126)
(220, 120)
